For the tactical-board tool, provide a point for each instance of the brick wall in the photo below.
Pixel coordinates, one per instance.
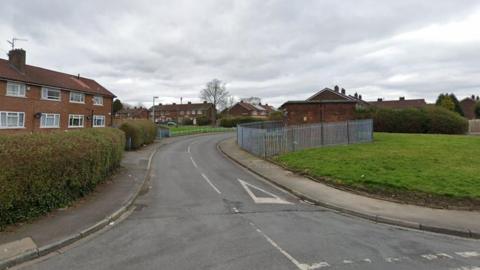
(32, 104)
(304, 113)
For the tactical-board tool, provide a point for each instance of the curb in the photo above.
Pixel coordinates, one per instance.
(375, 218)
(41, 251)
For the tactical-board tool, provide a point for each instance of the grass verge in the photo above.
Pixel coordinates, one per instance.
(188, 130)
(435, 170)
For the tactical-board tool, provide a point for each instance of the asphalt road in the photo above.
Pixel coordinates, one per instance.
(204, 212)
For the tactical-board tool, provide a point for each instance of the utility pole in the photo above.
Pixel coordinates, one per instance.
(153, 109)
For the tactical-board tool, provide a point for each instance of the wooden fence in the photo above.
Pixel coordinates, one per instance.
(272, 138)
(474, 126)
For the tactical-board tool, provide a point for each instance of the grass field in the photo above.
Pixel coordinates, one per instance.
(187, 130)
(433, 165)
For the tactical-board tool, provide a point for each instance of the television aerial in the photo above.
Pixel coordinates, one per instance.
(12, 42)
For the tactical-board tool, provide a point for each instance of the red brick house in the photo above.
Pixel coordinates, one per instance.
(246, 109)
(133, 113)
(328, 94)
(179, 112)
(36, 99)
(468, 106)
(399, 104)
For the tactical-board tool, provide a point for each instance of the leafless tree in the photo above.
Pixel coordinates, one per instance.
(216, 93)
(252, 100)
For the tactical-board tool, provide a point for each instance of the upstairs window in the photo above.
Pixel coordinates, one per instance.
(51, 94)
(77, 97)
(50, 120)
(99, 121)
(15, 89)
(75, 120)
(12, 119)
(98, 100)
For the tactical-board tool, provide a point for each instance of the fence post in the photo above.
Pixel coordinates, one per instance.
(348, 132)
(322, 142)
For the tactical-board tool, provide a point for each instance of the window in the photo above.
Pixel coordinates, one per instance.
(50, 94)
(98, 121)
(98, 100)
(199, 112)
(193, 112)
(50, 120)
(75, 120)
(76, 97)
(15, 89)
(12, 119)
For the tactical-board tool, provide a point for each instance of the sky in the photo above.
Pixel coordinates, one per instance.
(276, 50)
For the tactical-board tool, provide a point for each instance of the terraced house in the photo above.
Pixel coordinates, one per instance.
(35, 99)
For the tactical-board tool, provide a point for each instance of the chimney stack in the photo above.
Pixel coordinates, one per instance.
(17, 58)
(401, 98)
(379, 99)
(189, 102)
(360, 97)
(343, 91)
(336, 88)
(356, 95)
(473, 97)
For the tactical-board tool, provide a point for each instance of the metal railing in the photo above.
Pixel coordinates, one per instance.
(268, 139)
(474, 126)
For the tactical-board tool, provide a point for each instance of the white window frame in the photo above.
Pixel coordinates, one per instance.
(199, 112)
(76, 116)
(56, 120)
(20, 87)
(95, 101)
(45, 96)
(95, 118)
(4, 115)
(72, 94)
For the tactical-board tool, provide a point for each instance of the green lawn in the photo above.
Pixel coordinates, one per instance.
(187, 130)
(446, 166)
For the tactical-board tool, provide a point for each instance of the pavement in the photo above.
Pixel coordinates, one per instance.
(201, 210)
(460, 223)
(99, 209)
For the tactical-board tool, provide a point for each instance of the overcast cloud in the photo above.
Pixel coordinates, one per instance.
(277, 50)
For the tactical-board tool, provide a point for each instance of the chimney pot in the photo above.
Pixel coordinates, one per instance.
(379, 99)
(402, 98)
(189, 102)
(343, 91)
(473, 97)
(17, 58)
(336, 88)
(360, 97)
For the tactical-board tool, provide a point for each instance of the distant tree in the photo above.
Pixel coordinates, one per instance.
(117, 106)
(458, 108)
(252, 100)
(449, 102)
(216, 93)
(477, 109)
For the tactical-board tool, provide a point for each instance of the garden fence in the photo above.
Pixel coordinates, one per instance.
(474, 126)
(266, 139)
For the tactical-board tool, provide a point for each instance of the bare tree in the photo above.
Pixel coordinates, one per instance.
(252, 100)
(216, 93)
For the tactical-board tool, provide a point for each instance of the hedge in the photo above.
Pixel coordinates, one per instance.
(138, 133)
(234, 121)
(203, 121)
(435, 120)
(43, 171)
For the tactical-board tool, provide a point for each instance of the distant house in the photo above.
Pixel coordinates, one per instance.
(179, 112)
(35, 99)
(468, 106)
(247, 109)
(326, 105)
(399, 104)
(133, 113)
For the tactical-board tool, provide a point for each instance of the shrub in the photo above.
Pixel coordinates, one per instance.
(187, 122)
(203, 121)
(427, 120)
(139, 132)
(276, 116)
(43, 171)
(234, 121)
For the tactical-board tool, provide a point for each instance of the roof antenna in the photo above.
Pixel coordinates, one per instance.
(12, 42)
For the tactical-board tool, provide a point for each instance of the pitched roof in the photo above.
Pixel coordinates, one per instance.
(255, 107)
(185, 107)
(316, 102)
(339, 94)
(46, 77)
(399, 104)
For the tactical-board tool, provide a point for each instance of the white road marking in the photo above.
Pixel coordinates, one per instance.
(347, 262)
(235, 210)
(429, 257)
(299, 265)
(188, 149)
(467, 268)
(367, 260)
(194, 163)
(444, 255)
(274, 200)
(468, 254)
(390, 260)
(210, 183)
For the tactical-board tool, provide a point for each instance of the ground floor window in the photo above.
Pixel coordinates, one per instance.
(75, 120)
(50, 120)
(12, 119)
(98, 121)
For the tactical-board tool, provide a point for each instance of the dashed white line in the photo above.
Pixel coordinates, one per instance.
(299, 265)
(210, 183)
(429, 257)
(468, 254)
(235, 210)
(194, 163)
(467, 268)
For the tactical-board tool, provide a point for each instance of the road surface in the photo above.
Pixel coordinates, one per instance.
(202, 211)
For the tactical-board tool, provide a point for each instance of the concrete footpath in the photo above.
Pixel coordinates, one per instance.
(99, 209)
(459, 223)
